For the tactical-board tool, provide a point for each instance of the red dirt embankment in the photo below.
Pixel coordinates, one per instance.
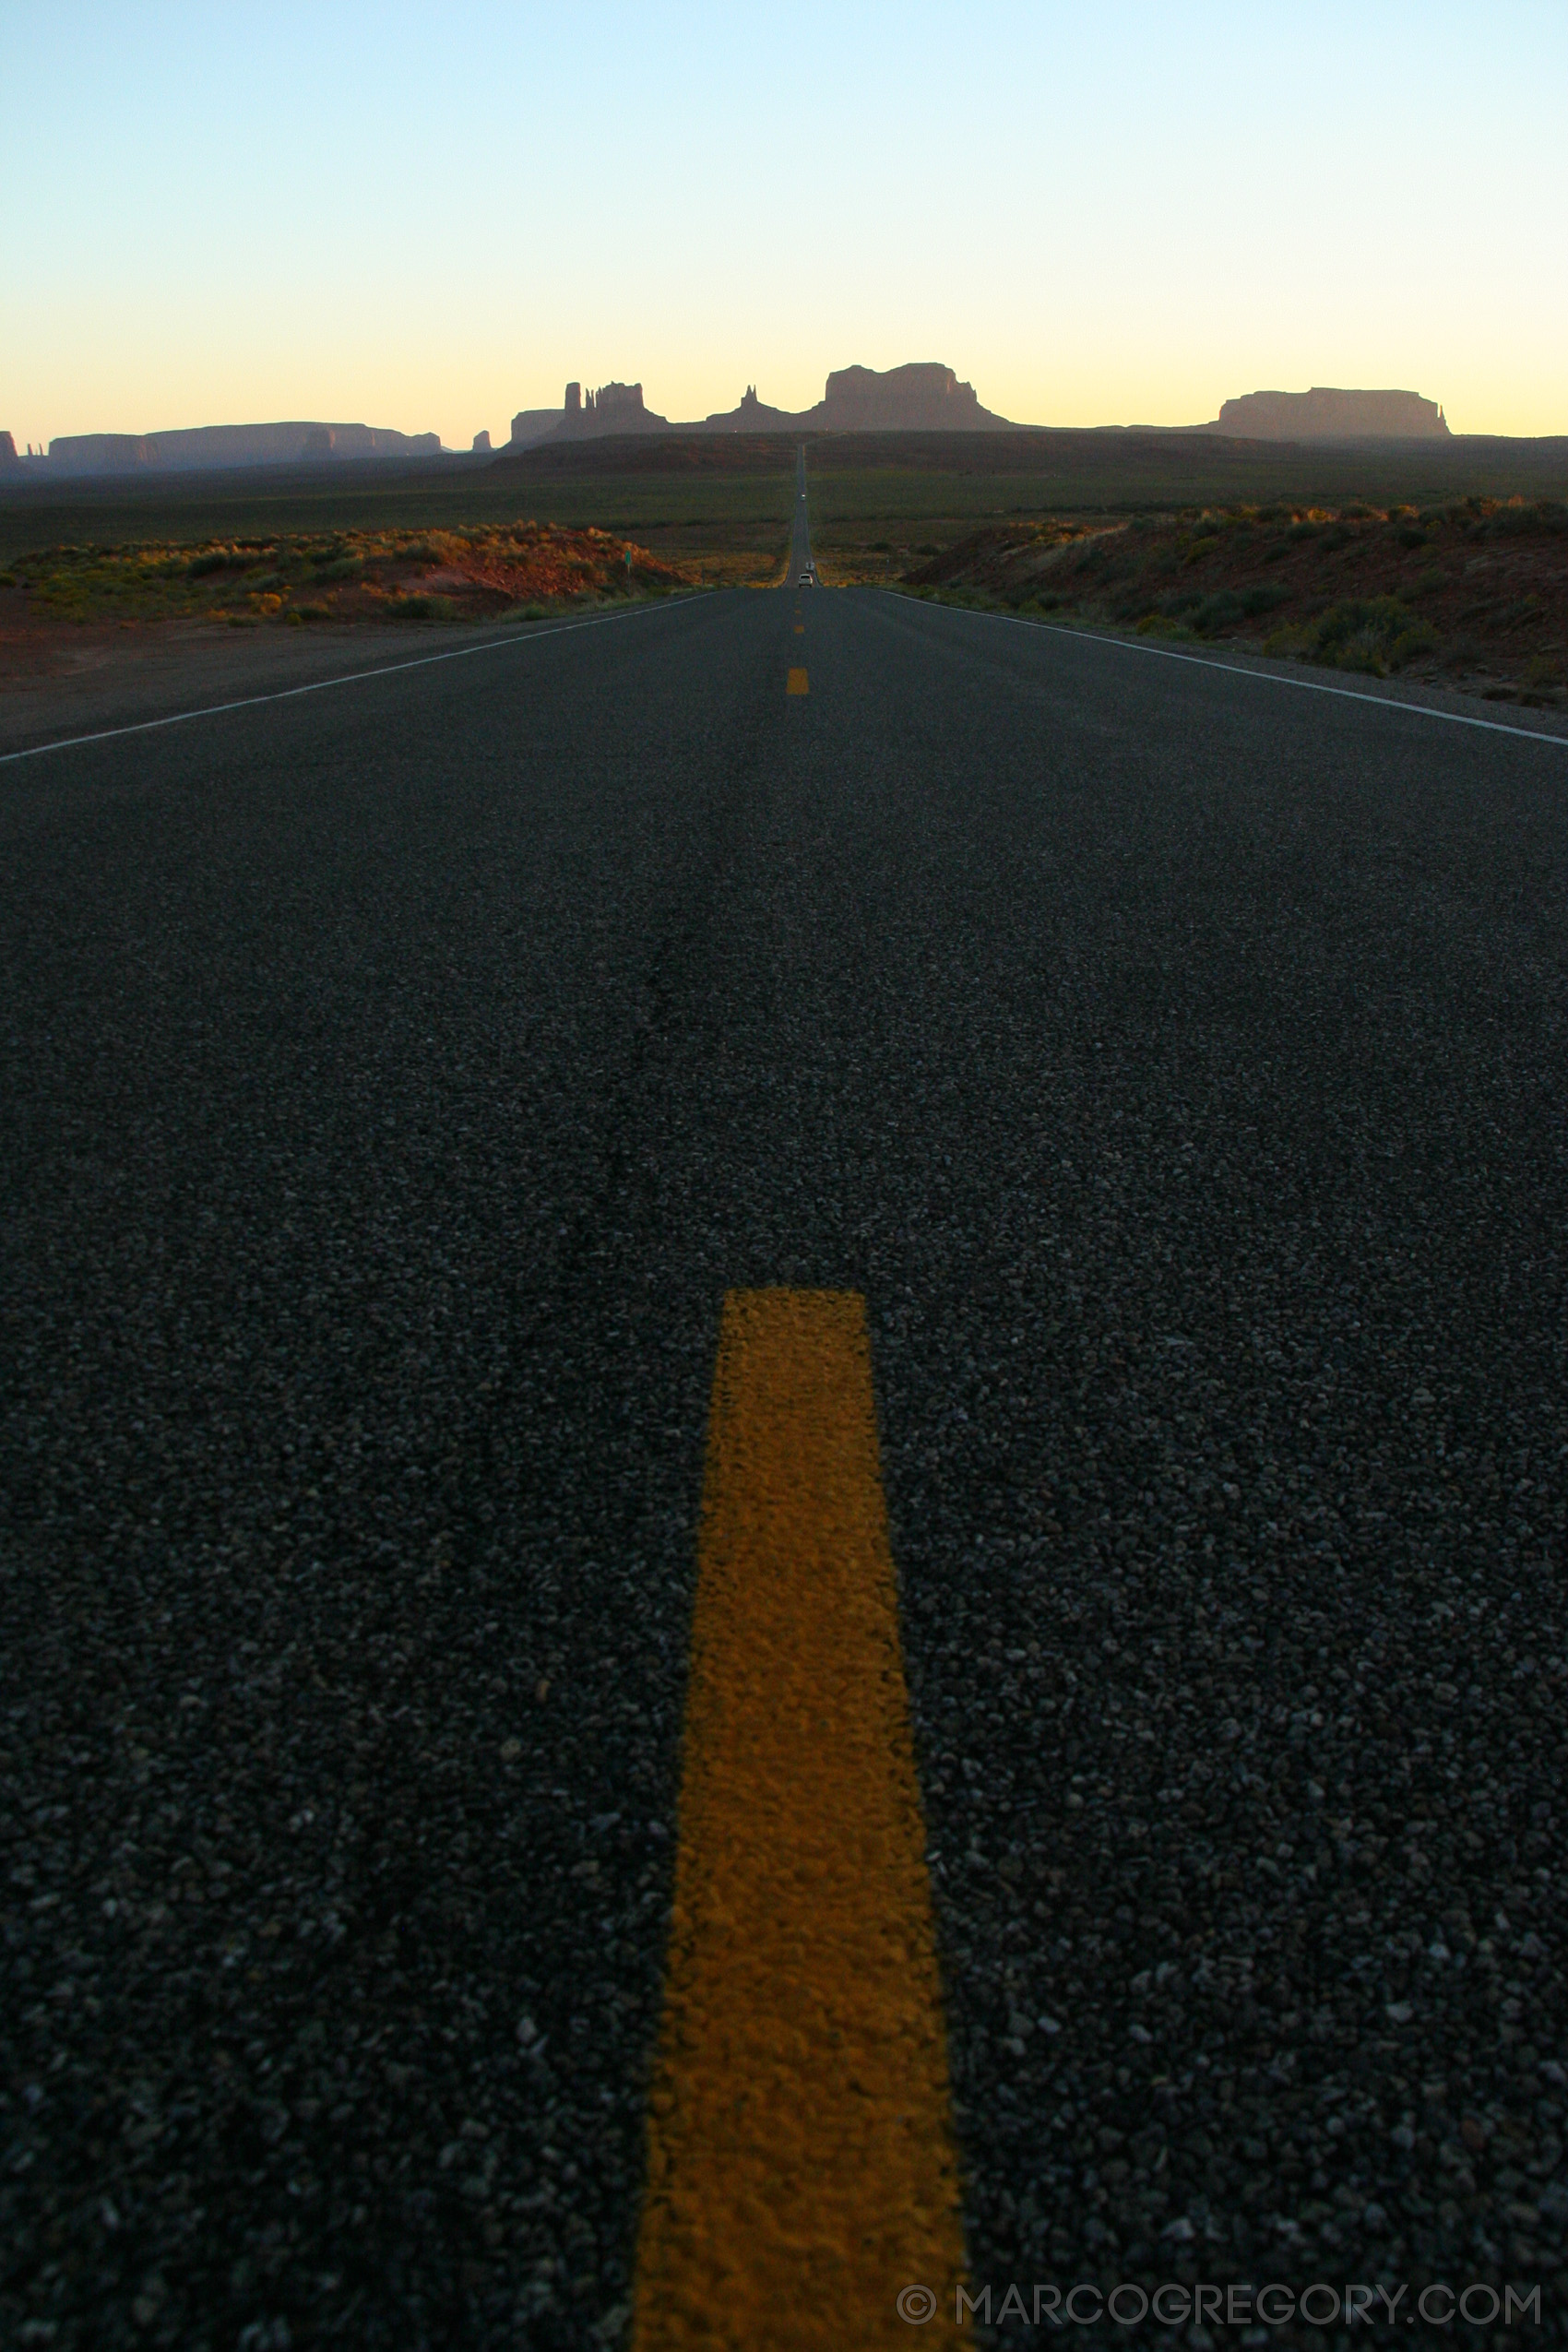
(61, 606)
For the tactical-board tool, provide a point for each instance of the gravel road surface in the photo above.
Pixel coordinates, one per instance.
(396, 1078)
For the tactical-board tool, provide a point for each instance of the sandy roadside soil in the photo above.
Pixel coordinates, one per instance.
(94, 678)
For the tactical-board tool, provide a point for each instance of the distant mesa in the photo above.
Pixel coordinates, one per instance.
(481, 445)
(752, 416)
(586, 416)
(924, 396)
(9, 450)
(1326, 415)
(211, 446)
(531, 425)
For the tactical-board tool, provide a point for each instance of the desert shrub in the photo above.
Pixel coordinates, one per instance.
(1412, 534)
(1374, 633)
(1547, 515)
(311, 611)
(1097, 561)
(1226, 606)
(341, 567)
(418, 608)
(1334, 535)
(1277, 551)
(215, 559)
(1419, 637)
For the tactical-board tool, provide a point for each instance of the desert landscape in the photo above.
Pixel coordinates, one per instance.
(784, 1461)
(1407, 549)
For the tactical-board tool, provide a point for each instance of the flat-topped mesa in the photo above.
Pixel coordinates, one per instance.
(924, 396)
(1328, 414)
(9, 450)
(196, 448)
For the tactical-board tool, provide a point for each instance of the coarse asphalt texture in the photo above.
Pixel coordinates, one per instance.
(396, 1080)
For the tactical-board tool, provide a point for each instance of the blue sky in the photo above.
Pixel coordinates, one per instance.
(429, 216)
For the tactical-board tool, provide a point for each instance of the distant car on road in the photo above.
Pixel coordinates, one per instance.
(807, 580)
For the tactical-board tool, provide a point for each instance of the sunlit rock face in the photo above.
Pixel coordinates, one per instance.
(1326, 415)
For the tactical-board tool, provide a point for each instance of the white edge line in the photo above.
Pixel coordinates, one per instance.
(349, 678)
(1235, 670)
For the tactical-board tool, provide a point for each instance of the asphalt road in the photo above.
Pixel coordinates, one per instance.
(801, 558)
(396, 1080)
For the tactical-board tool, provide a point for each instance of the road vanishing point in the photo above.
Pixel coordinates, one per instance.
(783, 1495)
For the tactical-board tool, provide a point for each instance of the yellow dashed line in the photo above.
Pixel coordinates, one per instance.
(800, 628)
(801, 2167)
(797, 683)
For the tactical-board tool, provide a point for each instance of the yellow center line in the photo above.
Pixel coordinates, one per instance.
(797, 683)
(800, 2164)
(800, 628)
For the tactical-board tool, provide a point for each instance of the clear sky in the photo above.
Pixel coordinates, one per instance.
(430, 215)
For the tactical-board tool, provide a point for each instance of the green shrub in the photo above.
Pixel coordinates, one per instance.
(341, 567)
